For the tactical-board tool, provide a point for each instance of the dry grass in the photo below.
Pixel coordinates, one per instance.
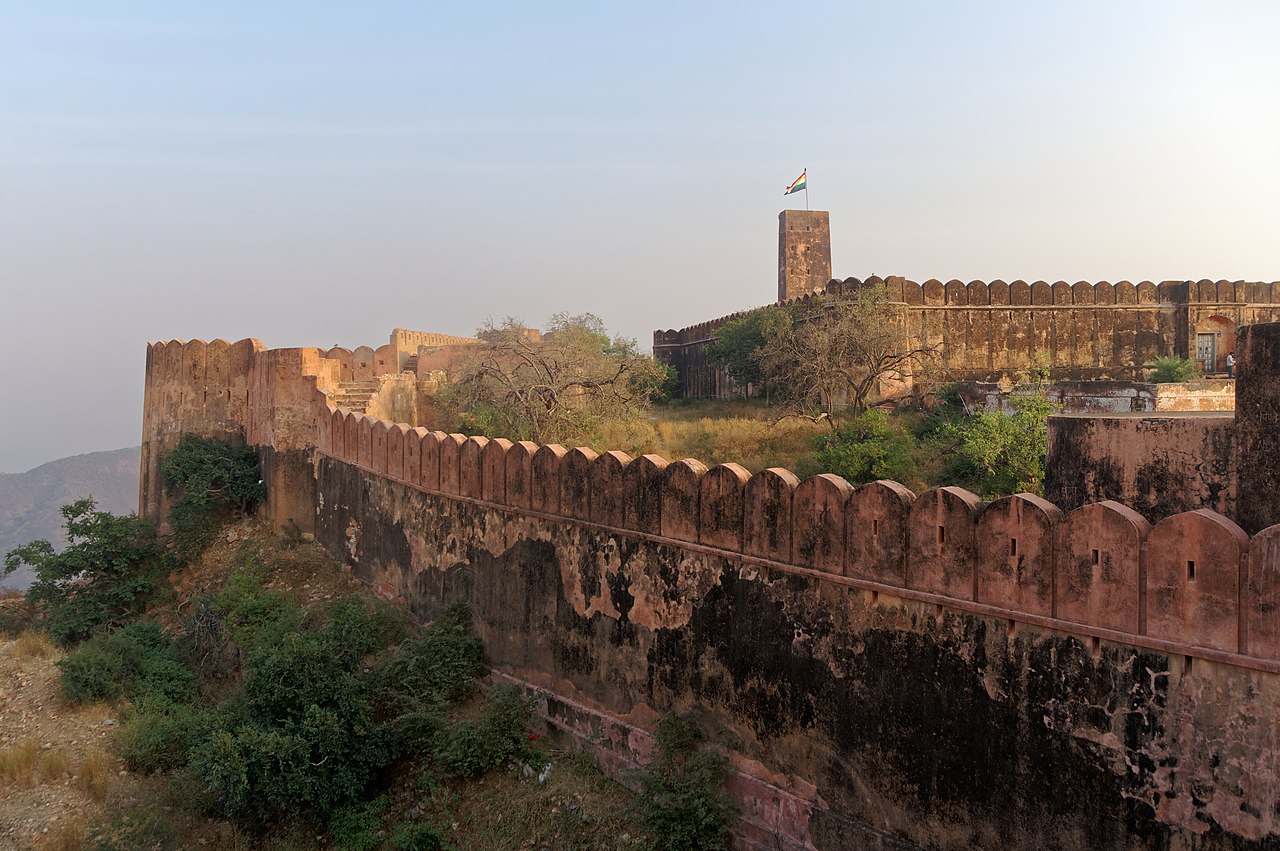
(96, 713)
(33, 645)
(53, 766)
(576, 809)
(745, 433)
(66, 836)
(94, 774)
(18, 763)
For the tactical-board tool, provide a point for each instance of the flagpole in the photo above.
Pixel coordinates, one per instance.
(806, 189)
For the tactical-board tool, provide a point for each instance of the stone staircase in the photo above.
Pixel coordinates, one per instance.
(355, 395)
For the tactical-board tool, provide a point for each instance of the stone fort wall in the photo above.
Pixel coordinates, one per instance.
(885, 669)
(983, 331)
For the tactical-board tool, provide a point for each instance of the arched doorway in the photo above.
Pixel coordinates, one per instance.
(1215, 338)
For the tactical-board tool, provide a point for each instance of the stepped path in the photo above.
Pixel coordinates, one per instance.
(355, 395)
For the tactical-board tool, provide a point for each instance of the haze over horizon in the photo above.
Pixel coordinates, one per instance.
(311, 176)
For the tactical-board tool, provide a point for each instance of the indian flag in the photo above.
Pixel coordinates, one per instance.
(797, 184)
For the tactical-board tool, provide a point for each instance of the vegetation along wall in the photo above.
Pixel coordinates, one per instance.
(885, 669)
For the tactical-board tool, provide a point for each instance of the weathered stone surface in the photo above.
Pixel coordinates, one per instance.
(877, 724)
(879, 518)
(1257, 449)
(1193, 579)
(818, 520)
(942, 542)
(1099, 577)
(1015, 553)
(767, 514)
(721, 504)
(804, 253)
(1157, 465)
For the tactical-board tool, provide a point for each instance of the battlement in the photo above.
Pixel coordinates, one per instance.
(816, 627)
(983, 330)
(1194, 583)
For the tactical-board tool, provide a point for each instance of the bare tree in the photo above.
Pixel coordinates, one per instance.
(557, 386)
(841, 350)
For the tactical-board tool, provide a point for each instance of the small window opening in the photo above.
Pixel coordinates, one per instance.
(1191, 569)
(875, 528)
(938, 610)
(1096, 556)
(942, 534)
(1013, 546)
(1012, 628)
(1186, 664)
(1096, 645)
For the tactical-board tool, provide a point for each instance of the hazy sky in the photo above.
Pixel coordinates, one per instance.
(312, 174)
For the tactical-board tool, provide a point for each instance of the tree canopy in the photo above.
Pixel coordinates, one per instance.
(739, 344)
(838, 351)
(559, 385)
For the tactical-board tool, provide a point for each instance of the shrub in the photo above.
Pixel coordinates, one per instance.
(302, 740)
(253, 614)
(137, 661)
(160, 738)
(207, 479)
(1173, 369)
(110, 566)
(355, 626)
(996, 454)
(260, 771)
(354, 826)
(16, 614)
(477, 746)
(685, 807)
(440, 665)
(867, 448)
(417, 837)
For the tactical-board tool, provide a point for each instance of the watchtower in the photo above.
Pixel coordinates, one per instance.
(804, 252)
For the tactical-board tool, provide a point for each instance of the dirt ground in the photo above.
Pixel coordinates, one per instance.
(56, 764)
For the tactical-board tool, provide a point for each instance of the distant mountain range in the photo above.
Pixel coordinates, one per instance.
(29, 501)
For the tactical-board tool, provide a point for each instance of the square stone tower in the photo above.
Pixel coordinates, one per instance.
(804, 252)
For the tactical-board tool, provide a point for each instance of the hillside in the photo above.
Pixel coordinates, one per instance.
(84, 775)
(29, 501)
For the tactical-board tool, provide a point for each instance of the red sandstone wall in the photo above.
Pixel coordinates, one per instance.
(198, 388)
(1100, 570)
(240, 392)
(1085, 331)
(1158, 465)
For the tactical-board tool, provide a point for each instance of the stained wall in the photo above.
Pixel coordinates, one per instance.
(988, 330)
(885, 669)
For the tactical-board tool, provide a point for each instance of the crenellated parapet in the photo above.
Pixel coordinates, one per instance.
(1192, 584)
(983, 330)
(882, 668)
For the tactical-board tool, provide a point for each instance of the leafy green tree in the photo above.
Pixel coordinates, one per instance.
(867, 448)
(104, 575)
(739, 343)
(303, 739)
(996, 454)
(206, 478)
